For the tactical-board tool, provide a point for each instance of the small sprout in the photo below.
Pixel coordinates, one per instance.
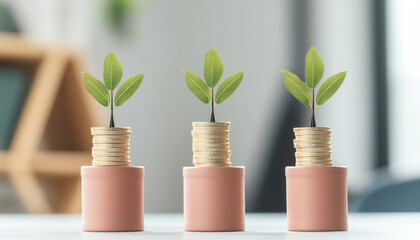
(213, 71)
(314, 70)
(104, 93)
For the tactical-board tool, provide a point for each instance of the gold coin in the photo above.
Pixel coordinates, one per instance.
(212, 165)
(203, 160)
(112, 158)
(307, 159)
(115, 162)
(110, 129)
(211, 145)
(309, 145)
(112, 145)
(110, 132)
(210, 136)
(210, 149)
(312, 129)
(210, 161)
(206, 124)
(110, 154)
(209, 132)
(97, 134)
(312, 164)
(312, 140)
(311, 158)
(315, 161)
(112, 162)
(211, 153)
(312, 154)
(110, 149)
(123, 140)
(98, 163)
(215, 128)
(313, 136)
(314, 149)
(210, 157)
(111, 141)
(115, 136)
(211, 140)
(195, 161)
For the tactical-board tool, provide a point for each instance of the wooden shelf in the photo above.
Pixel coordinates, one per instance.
(53, 163)
(57, 111)
(60, 163)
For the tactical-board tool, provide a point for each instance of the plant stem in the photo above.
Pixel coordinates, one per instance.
(212, 118)
(313, 123)
(111, 121)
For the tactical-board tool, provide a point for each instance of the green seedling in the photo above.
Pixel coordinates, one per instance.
(305, 92)
(104, 93)
(213, 71)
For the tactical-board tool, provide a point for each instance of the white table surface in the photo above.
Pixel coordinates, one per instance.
(369, 226)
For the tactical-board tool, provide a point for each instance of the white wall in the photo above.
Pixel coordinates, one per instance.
(342, 33)
(404, 113)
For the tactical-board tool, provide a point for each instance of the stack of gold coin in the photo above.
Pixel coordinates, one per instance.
(313, 146)
(111, 146)
(211, 144)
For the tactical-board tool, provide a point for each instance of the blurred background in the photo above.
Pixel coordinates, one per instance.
(46, 115)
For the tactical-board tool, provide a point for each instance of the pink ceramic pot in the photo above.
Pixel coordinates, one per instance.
(214, 199)
(112, 198)
(316, 198)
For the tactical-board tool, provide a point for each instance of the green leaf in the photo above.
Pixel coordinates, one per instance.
(96, 88)
(228, 86)
(329, 87)
(314, 68)
(296, 87)
(197, 86)
(128, 88)
(112, 71)
(213, 68)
